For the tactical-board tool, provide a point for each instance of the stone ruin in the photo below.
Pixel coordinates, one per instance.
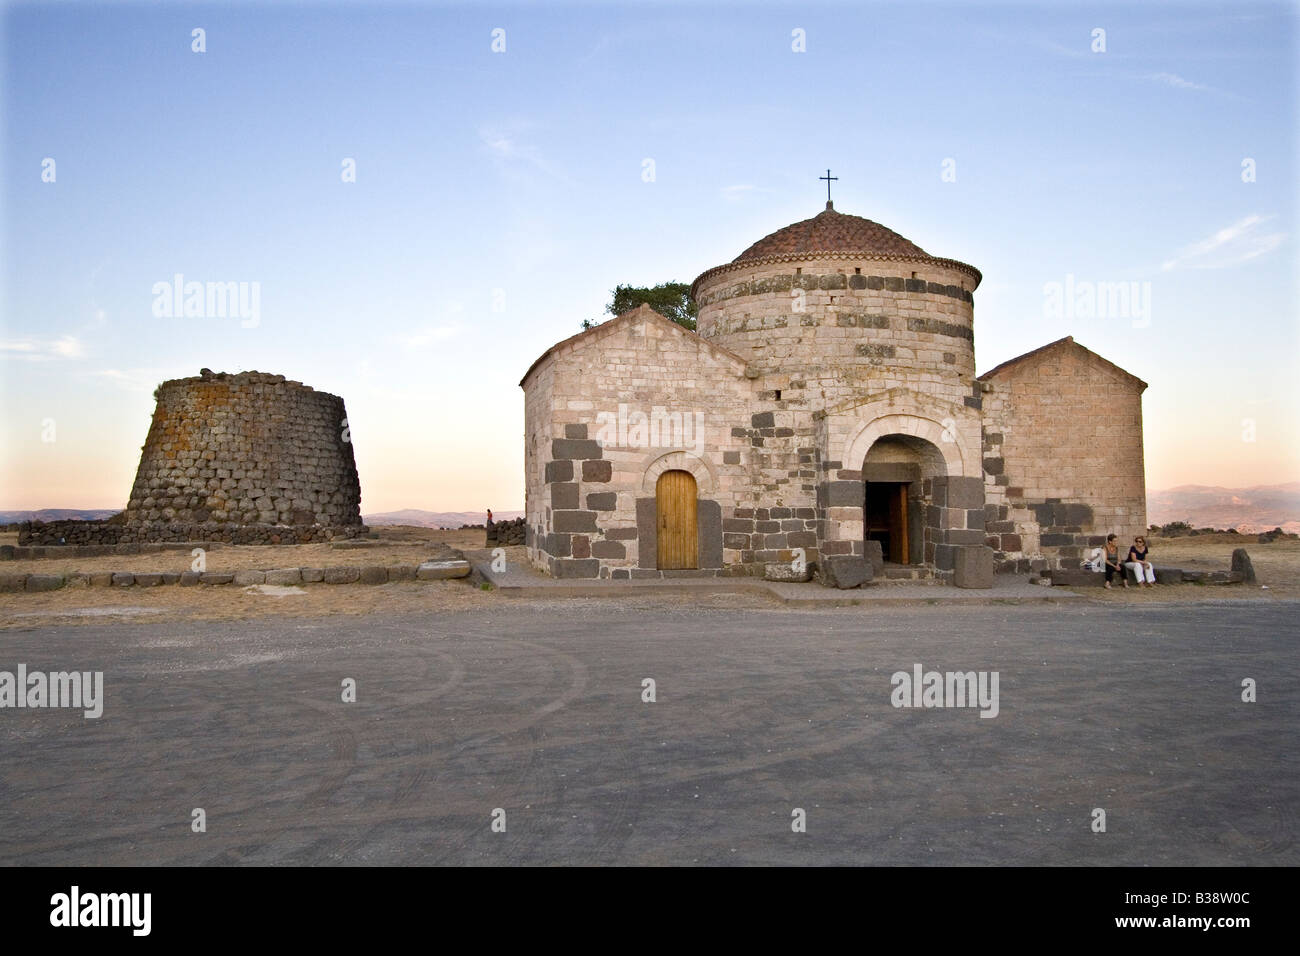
(506, 532)
(247, 458)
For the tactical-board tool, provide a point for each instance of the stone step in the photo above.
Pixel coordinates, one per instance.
(906, 572)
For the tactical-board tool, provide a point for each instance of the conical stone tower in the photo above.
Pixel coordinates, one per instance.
(246, 458)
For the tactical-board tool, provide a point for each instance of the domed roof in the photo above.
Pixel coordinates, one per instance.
(833, 235)
(831, 231)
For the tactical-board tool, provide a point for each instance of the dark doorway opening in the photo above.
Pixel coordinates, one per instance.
(884, 518)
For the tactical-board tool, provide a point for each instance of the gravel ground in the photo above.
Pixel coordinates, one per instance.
(536, 709)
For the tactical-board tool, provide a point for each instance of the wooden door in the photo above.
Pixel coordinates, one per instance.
(898, 525)
(675, 510)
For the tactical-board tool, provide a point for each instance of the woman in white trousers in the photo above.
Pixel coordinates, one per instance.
(1137, 563)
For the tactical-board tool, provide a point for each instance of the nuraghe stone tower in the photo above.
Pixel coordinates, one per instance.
(247, 458)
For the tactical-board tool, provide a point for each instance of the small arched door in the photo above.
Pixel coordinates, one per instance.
(675, 509)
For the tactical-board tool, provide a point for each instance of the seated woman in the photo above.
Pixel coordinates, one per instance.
(1137, 562)
(1112, 562)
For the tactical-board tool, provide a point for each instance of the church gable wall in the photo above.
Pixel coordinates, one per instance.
(605, 415)
(1063, 460)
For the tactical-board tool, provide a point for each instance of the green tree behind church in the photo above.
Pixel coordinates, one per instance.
(672, 300)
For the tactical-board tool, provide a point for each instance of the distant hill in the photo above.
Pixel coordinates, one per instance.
(1262, 508)
(436, 519)
(58, 514)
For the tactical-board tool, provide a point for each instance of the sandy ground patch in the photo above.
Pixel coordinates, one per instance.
(100, 606)
(226, 602)
(1277, 565)
(397, 546)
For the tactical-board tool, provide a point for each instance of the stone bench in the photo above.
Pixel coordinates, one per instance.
(1083, 578)
(1075, 578)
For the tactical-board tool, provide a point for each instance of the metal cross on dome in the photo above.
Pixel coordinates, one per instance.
(828, 177)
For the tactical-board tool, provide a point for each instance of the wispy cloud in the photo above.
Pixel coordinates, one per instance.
(1171, 81)
(1232, 245)
(428, 335)
(512, 154)
(1176, 81)
(30, 349)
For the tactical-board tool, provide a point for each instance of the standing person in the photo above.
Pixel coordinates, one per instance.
(1138, 563)
(489, 520)
(1112, 562)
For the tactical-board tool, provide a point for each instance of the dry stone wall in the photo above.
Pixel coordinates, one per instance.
(244, 455)
(505, 532)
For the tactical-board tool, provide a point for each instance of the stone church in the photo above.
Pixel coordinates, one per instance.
(826, 414)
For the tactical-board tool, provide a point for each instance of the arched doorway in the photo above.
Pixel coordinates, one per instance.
(675, 519)
(895, 508)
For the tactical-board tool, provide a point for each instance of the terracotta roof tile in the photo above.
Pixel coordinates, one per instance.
(832, 231)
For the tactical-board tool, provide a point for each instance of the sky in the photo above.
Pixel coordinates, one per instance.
(500, 194)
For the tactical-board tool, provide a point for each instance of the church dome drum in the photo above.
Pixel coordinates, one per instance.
(838, 299)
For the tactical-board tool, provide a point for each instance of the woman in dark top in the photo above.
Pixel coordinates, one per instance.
(1111, 558)
(1137, 562)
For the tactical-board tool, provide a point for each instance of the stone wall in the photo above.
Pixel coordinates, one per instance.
(103, 533)
(505, 533)
(1063, 457)
(245, 458)
(775, 471)
(829, 329)
(606, 412)
(70, 531)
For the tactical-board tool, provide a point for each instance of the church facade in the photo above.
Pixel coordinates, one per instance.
(826, 414)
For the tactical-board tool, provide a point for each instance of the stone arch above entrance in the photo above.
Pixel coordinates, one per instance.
(908, 426)
(899, 472)
(902, 454)
(677, 460)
